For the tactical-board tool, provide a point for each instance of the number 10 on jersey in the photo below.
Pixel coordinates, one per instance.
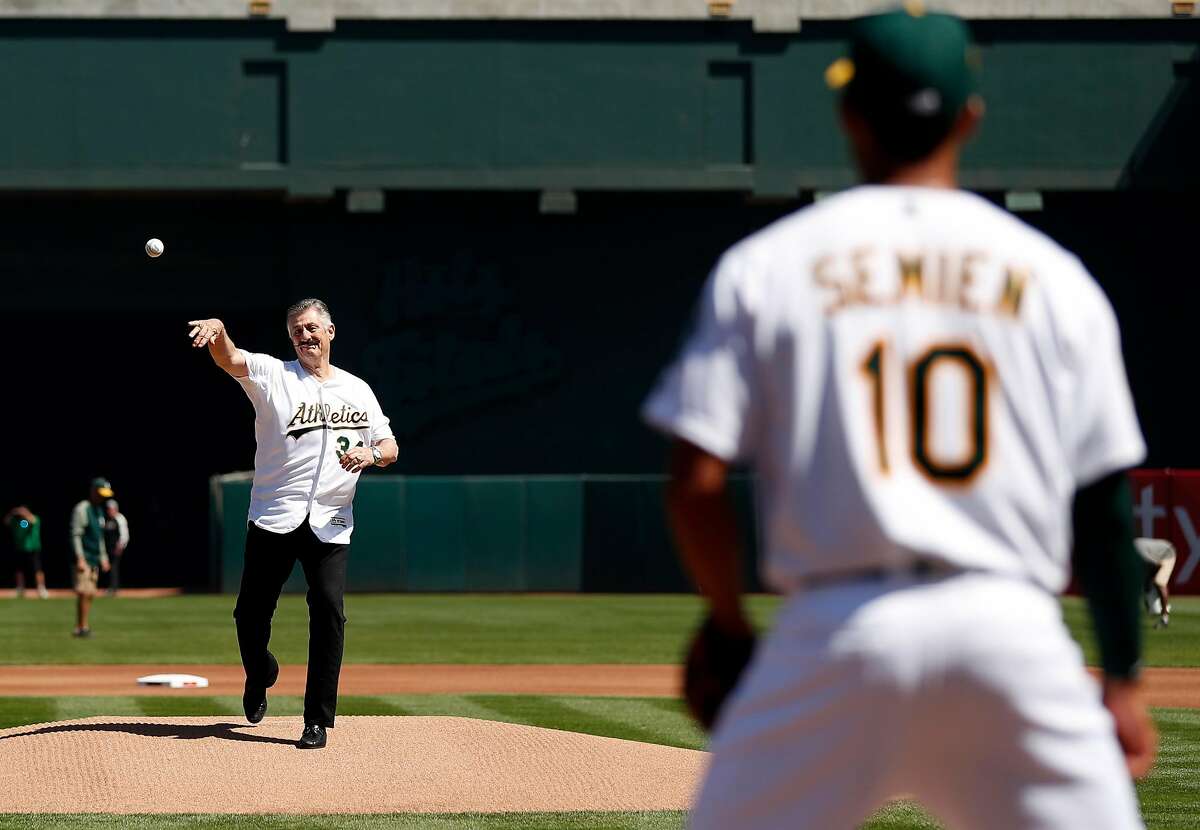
(971, 411)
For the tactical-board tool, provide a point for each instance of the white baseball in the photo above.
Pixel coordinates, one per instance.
(155, 247)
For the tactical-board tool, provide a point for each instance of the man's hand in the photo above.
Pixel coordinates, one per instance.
(205, 331)
(356, 460)
(212, 333)
(1135, 731)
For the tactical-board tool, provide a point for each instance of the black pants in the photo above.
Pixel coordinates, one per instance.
(114, 572)
(270, 558)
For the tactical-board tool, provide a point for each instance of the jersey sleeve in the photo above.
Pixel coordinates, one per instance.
(75, 530)
(381, 428)
(1105, 436)
(263, 369)
(708, 396)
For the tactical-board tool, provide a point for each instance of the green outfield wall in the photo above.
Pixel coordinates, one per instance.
(495, 533)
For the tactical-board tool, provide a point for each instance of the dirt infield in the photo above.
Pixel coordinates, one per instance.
(372, 765)
(1167, 687)
(126, 593)
(356, 679)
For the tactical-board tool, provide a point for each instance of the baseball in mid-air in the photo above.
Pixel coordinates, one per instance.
(155, 247)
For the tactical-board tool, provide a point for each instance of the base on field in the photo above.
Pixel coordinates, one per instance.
(372, 765)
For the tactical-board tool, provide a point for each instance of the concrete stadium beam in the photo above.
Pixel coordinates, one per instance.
(765, 15)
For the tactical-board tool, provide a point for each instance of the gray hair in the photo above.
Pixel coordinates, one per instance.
(296, 309)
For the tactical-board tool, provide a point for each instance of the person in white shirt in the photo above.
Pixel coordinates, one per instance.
(934, 399)
(1159, 556)
(317, 428)
(116, 539)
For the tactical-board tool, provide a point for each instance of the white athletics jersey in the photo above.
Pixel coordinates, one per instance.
(913, 373)
(302, 426)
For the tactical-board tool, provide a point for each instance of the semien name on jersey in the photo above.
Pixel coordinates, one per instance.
(969, 280)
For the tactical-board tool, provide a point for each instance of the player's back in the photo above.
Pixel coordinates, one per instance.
(923, 377)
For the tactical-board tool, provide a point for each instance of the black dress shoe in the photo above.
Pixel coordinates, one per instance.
(313, 737)
(254, 697)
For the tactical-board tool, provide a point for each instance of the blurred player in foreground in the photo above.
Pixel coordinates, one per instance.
(25, 530)
(926, 389)
(317, 428)
(91, 556)
(1159, 556)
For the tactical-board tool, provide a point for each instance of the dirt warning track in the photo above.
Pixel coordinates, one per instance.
(1165, 687)
(356, 679)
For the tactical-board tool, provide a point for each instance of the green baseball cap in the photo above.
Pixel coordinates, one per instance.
(909, 61)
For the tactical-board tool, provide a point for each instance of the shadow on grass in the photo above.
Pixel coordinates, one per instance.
(186, 732)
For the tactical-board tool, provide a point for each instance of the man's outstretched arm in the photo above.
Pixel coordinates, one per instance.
(212, 333)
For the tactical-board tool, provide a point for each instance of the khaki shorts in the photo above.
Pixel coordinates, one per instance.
(86, 580)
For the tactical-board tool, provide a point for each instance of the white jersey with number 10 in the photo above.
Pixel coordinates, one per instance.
(912, 373)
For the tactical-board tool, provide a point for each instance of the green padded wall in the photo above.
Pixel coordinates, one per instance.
(496, 533)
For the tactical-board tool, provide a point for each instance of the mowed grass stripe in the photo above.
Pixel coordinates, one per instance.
(457, 628)
(455, 706)
(381, 628)
(630, 718)
(666, 726)
(559, 713)
(21, 711)
(166, 707)
(1170, 796)
(902, 815)
(403, 821)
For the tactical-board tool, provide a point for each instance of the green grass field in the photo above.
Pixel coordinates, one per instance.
(900, 817)
(422, 628)
(482, 629)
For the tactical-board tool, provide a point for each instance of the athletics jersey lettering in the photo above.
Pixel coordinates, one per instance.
(968, 280)
(310, 416)
(912, 373)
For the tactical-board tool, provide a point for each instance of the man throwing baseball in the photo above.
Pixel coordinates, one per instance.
(929, 392)
(317, 428)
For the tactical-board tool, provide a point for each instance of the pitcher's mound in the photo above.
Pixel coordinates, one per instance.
(372, 765)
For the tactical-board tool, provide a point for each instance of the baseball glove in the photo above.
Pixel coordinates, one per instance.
(715, 662)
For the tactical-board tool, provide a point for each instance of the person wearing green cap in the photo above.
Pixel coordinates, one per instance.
(91, 557)
(933, 398)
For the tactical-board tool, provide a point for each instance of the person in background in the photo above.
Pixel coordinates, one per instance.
(26, 529)
(91, 557)
(1159, 557)
(116, 537)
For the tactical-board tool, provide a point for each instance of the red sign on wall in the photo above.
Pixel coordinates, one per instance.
(1166, 505)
